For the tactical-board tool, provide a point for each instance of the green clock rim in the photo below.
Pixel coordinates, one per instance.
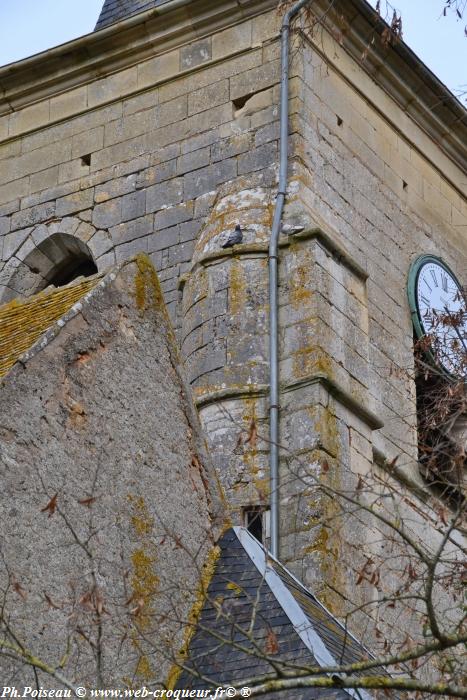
(412, 280)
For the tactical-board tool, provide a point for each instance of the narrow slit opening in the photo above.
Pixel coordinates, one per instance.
(256, 521)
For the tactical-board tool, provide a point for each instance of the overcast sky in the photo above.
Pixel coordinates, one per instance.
(30, 26)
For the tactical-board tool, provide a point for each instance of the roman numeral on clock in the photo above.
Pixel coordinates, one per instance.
(425, 300)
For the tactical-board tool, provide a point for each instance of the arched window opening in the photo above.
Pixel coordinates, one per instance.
(57, 260)
(78, 267)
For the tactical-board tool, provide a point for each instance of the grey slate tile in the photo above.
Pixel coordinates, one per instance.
(236, 590)
(116, 10)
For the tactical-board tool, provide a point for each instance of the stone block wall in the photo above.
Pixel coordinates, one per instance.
(129, 163)
(380, 194)
(165, 154)
(369, 188)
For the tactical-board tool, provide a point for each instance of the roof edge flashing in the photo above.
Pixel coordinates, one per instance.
(259, 556)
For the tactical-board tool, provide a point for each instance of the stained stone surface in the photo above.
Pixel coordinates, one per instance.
(165, 153)
(108, 500)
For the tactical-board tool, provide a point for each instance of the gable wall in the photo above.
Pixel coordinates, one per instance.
(103, 468)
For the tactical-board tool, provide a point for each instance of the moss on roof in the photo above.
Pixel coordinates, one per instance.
(22, 322)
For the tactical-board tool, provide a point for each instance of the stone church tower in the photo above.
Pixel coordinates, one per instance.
(159, 133)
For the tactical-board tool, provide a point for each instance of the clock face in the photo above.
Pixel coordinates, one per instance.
(438, 311)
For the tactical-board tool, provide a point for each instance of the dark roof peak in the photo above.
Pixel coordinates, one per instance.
(250, 596)
(116, 10)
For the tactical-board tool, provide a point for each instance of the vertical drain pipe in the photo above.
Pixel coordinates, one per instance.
(273, 280)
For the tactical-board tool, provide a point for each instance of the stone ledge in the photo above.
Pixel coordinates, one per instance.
(262, 390)
(404, 476)
(330, 246)
(333, 248)
(341, 395)
(118, 47)
(254, 391)
(399, 73)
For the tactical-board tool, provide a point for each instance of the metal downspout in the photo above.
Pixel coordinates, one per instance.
(273, 280)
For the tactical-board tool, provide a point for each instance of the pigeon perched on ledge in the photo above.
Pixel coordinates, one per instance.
(235, 238)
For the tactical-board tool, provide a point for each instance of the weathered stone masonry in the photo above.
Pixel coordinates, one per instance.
(102, 456)
(164, 139)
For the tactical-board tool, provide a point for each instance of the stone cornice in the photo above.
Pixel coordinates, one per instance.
(400, 73)
(118, 46)
(395, 68)
(262, 250)
(207, 398)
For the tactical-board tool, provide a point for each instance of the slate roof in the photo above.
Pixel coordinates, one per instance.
(116, 10)
(289, 622)
(22, 322)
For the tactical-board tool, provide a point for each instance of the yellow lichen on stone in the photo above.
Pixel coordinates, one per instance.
(326, 427)
(329, 543)
(143, 668)
(148, 291)
(251, 452)
(251, 430)
(300, 295)
(142, 522)
(148, 294)
(320, 542)
(311, 360)
(327, 534)
(233, 587)
(144, 580)
(143, 671)
(207, 573)
(237, 288)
